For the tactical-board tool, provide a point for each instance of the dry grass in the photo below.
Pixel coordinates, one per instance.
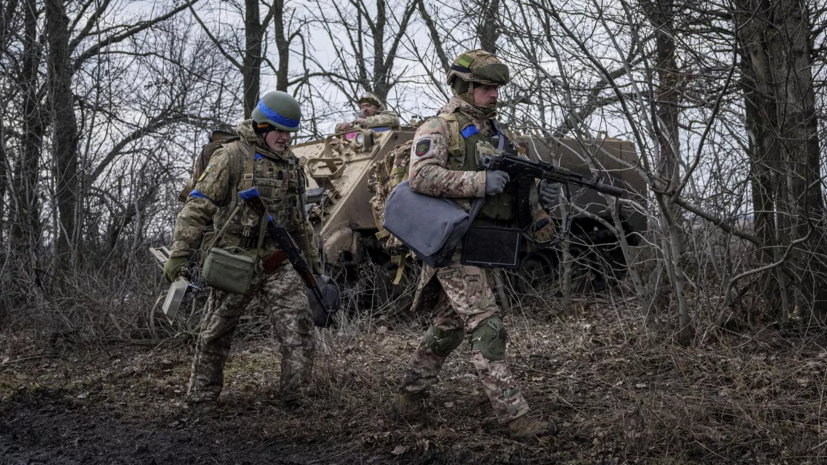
(622, 392)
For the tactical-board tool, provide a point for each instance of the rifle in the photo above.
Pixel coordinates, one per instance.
(328, 303)
(519, 169)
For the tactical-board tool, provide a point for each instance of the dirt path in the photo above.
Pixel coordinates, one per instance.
(125, 406)
(618, 401)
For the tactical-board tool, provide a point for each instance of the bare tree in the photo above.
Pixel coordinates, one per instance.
(779, 99)
(64, 136)
(365, 58)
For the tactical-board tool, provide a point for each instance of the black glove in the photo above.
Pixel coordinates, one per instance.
(549, 193)
(495, 182)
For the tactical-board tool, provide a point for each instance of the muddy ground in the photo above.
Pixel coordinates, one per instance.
(620, 394)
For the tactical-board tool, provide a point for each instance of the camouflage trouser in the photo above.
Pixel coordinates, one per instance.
(465, 300)
(282, 293)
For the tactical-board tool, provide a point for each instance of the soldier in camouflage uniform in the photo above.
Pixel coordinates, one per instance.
(277, 174)
(445, 163)
(372, 115)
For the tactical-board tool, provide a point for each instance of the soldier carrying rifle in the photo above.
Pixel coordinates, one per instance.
(259, 158)
(446, 161)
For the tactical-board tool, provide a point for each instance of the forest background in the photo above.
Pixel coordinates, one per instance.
(105, 102)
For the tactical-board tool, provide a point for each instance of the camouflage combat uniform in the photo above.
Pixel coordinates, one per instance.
(465, 300)
(383, 119)
(277, 177)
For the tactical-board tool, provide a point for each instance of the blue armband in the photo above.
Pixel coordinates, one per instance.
(198, 195)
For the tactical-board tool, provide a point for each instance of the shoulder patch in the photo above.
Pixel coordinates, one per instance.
(422, 147)
(206, 170)
(469, 131)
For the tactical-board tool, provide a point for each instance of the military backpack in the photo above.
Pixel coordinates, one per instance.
(385, 174)
(217, 139)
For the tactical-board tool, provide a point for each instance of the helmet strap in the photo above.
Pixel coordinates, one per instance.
(262, 128)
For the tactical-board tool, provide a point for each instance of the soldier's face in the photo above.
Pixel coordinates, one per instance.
(368, 109)
(485, 95)
(277, 140)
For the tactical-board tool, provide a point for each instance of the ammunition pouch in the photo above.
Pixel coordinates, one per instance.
(227, 271)
(498, 207)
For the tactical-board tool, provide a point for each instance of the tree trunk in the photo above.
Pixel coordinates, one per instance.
(252, 56)
(488, 30)
(64, 130)
(6, 24)
(667, 111)
(26, 230)
(782, 127)
(799, 137)
(380, 66)
(282, 46)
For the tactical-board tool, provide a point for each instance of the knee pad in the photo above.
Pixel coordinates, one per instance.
(489, 338)
(442, 343)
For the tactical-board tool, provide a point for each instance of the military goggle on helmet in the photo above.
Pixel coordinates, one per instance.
(479, 66)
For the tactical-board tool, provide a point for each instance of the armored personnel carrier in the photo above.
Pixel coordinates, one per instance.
(339, 198)
(339, 204)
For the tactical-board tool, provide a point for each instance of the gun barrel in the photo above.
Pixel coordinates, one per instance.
(608, 189)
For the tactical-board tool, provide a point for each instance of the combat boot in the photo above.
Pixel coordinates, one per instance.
(409, 406)
(294, 399)
(202, 408)
(525, 428)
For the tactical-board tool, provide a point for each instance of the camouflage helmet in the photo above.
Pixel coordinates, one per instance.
(478, 66)
(371, 98)
(278, 109)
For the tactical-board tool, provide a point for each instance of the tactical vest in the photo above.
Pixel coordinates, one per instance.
(278, 182)
(464, 155)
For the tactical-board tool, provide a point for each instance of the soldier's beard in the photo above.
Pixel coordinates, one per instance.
(491, 104)
(488, 111)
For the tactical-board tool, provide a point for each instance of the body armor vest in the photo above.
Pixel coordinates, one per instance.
(498, 209)
(278, 182)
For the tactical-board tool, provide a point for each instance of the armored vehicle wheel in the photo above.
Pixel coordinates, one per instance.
(376, 292)
(596, 268)
(537, 270)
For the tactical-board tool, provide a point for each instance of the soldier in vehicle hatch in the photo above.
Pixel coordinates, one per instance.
(444, 163)
(259, 157)
(372, 115)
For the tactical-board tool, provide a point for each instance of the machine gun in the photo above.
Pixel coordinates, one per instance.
(326, 295)
(519, 169)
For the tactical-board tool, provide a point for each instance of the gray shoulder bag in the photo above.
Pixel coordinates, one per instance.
(432, 227)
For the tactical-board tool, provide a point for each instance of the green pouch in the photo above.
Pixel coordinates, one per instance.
(227, 271)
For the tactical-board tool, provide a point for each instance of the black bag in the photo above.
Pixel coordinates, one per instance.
(492, 247)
